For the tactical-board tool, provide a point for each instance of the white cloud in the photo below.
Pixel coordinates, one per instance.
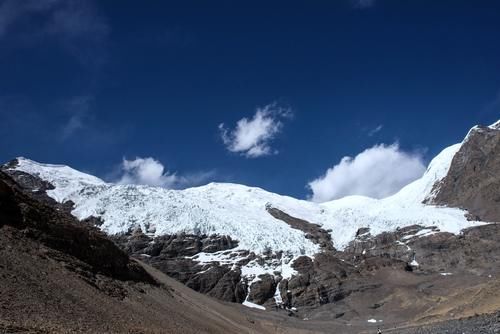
(377, 172)
(252, 137)
(149, 171)
(375, 130)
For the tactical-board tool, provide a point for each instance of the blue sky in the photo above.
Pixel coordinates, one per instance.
(95, 85)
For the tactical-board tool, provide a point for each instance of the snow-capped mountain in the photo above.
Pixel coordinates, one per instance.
(240, 211)
(244, 244)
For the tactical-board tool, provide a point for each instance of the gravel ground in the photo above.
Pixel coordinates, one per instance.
(483, 324)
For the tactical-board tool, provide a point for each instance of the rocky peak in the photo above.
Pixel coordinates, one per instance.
(495, 125)
(473, 179)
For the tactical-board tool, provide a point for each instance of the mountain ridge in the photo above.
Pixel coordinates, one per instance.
(246, 245)
(69, 185)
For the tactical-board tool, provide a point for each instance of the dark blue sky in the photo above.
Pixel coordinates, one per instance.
(90, 83)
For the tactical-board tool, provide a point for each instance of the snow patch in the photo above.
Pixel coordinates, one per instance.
(252, 305)
(374, 321)
(495, 126)
(252, 271)
(421, 233)
(277, 295)
(403, 244)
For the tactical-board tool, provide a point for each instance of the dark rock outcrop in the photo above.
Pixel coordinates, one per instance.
(171, 254)
(332, 277)
(262, 290)
(34, 186)
(473, 180)
(325, 280)
(173, 245)
(229, 288)
(475, 249)
(313, 232)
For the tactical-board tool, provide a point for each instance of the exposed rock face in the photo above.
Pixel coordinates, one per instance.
(318, 282)
(170, 254)
(333, 276)
(36, 187)
(10, 213)
(228, 288)
(473, 180)
(388, 245)
(314, 232)
(475, 250)
(170, 246)
(262, 290)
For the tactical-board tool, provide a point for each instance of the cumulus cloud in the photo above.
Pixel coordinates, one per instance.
(149, 171)
(252, 137)
(377, 172)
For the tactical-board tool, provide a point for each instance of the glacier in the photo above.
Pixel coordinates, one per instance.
(240, 211)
